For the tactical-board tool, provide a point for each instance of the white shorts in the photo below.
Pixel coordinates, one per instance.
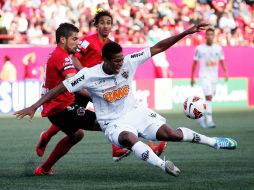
(141, 121)
(209, 86)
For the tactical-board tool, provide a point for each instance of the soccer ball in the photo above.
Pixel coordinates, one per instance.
(194, 107)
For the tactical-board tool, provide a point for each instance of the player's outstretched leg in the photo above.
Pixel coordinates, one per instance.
(144, 152)
(119, 153)
(184, 134)
(45, 138)
(63, 146)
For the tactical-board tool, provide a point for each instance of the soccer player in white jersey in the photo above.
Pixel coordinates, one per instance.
(209, 55)
(120, 116)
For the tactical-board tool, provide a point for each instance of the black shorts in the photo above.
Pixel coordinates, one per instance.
(72, 118)
(82, 100)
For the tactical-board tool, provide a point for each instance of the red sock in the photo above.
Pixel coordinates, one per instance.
(62, 147)
(52, 130)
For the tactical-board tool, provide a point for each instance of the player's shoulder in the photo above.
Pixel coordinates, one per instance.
(95, 70)
(201, 46)
(59, 51)
(59, 56)
(85, 41)
(90, 38)
(138, 54)
(217, 46)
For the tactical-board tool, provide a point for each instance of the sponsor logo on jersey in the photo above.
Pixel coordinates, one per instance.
(67, 63)
(78, 80)
(68, 67)
(117, 94)
(99, 82)
(84, 44)
(135, 55)
(153, 115)
(125, 74)
(108, 89)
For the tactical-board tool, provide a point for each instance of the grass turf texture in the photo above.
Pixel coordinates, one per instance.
(89, 164)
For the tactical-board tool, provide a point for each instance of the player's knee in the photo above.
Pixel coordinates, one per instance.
(127, 139)
(166, 133)
(209, 98)
(79, 135)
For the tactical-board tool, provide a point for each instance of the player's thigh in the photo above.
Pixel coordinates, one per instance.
(149, 123)
(73, 118)
(82, 100)
(64, 120)
(114, 130)
(207, 87)
(214, 87)
(86, 120)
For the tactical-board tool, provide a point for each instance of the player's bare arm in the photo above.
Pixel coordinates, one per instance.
(168, 42)
(30, 111)
(77, 63)
(223, 66)
(193, 69)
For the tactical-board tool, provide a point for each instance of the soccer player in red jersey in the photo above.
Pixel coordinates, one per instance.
(64, 111)
(88, 54)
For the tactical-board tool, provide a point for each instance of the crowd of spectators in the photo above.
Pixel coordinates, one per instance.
(135, 22)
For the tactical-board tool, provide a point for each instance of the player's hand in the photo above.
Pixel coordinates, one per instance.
(30, 111)
(196, 28)
(192, 82)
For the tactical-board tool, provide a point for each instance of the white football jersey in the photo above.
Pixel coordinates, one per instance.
(209, 57)
(112, 95)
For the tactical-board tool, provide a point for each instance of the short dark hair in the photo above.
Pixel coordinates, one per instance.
(100, 14)
(210, 30)
(65, 30)
(110, 49)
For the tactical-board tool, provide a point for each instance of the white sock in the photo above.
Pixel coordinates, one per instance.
(209, 111)
(144, 152)
(194, 137)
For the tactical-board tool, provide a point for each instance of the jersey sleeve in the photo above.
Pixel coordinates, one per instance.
(77, 82)
(65, 66)
(197, 54)
(137, 58)
(83, 46)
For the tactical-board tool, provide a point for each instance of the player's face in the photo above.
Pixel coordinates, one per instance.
(104, 26)
(209, 37)
(71, 43)
(116, 63)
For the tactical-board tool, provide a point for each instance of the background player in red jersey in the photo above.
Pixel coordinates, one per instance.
(88, 54)
(64, 111)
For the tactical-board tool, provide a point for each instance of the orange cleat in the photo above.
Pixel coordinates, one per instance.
(158, 149)
(119, 153)
(39, 171)
(41, 144)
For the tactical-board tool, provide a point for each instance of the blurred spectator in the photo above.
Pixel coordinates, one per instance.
(32, 21)
(31, 71)
(227, 22)
(8, 72)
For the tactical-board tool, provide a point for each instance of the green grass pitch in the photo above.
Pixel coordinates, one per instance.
(89, 164)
